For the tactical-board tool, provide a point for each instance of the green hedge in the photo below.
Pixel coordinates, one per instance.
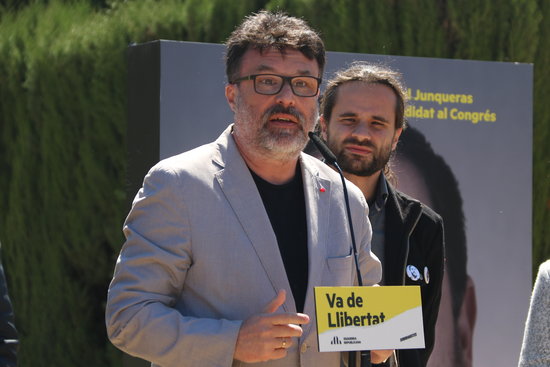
(62, 108)
(62, 126)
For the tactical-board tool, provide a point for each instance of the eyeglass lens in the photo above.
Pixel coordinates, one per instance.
(304, 86)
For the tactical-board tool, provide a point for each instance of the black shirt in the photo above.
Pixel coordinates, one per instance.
(285, 206)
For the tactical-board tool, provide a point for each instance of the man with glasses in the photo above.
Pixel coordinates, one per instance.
(269, 84)
(225, 243)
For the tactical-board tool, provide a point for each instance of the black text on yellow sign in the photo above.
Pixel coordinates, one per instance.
(341, 318)
(362, 318)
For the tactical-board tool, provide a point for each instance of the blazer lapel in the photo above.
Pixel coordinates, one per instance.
(239, 188)
(317, 193)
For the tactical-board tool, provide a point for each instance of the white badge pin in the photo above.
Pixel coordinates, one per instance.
(426, 275)
(413, 273)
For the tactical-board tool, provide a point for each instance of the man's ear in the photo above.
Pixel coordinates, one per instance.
(323, 126)
(230, 94)
(466, 322)
(395, 139)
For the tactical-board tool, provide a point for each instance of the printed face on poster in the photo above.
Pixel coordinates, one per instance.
(476, 118)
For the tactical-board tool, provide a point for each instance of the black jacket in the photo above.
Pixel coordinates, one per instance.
(414, 236)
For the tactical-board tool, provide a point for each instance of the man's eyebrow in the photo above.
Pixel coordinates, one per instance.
(348, 114)
(353, 114)
(304, 72)
(264, 67)
(380, 118)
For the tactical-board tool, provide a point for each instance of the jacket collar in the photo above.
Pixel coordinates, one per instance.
(402, 214)
(381, 194)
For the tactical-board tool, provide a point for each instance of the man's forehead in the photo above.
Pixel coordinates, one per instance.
(366, 87)
(273, 60)
(364, 93)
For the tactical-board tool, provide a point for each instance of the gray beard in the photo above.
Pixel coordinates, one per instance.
(277, 144)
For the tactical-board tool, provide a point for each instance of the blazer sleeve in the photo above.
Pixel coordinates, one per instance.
(369, 264)
(148, 279)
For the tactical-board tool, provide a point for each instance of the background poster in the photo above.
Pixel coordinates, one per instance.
(491, 159)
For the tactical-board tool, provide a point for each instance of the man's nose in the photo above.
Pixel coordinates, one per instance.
(362, 130)
(286, 96)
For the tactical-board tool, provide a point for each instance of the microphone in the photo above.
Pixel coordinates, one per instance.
(330, 159)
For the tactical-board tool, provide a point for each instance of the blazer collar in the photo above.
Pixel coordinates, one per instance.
(317, 194)
(240, 190)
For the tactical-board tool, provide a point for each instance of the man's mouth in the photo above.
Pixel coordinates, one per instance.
(283, 119)
(358, 149)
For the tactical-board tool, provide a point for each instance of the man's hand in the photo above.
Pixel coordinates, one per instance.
(268, 335)
(380, 356)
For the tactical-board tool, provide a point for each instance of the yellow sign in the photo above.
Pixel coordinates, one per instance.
(369, 318)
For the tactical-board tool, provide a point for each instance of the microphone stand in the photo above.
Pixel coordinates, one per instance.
(330, 159)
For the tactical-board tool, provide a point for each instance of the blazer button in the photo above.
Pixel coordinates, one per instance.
(303, 348)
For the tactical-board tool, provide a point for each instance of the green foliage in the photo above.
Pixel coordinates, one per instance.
(213, 21)
(62, 113)
(59, 139)
(376, 27)
(485, 30)
(63, 121)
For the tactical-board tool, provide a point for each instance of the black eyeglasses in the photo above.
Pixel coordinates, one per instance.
(269, 84)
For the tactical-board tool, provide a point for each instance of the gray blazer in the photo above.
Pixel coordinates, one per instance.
(201, 256)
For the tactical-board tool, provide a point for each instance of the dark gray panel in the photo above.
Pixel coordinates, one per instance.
(492, 160)
(143, 132)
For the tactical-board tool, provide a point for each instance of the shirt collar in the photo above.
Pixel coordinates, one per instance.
(381, 194)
